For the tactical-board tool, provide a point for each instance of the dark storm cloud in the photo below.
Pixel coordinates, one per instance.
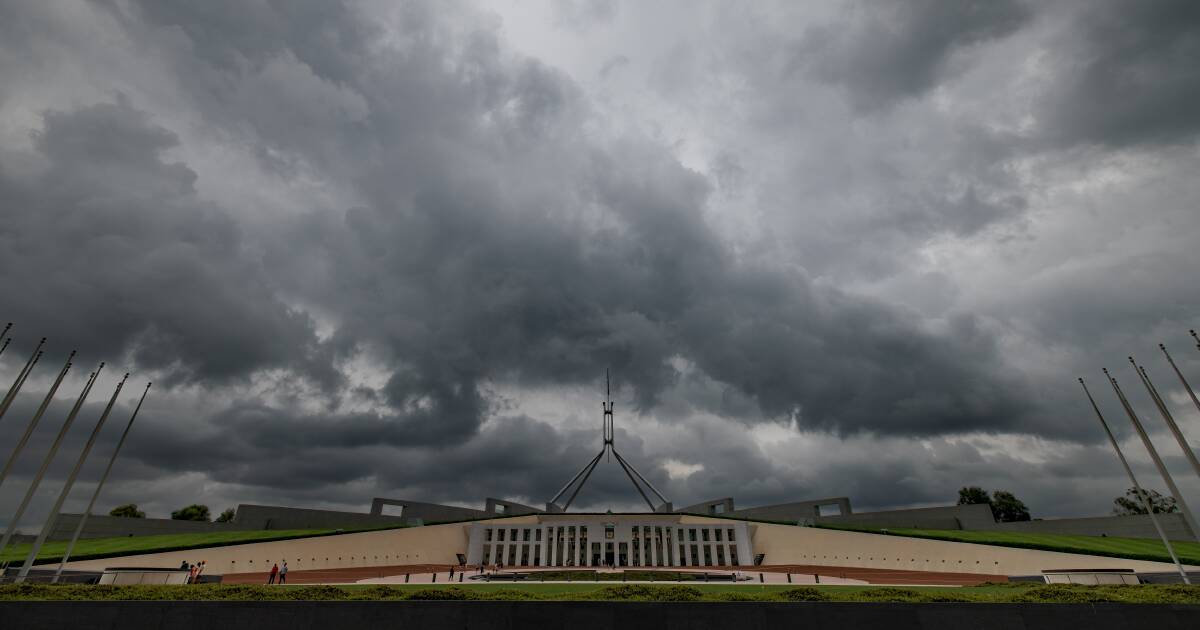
(486, 227)
(883, 52)
(109, 236)
(1126, 74)
(476, 270)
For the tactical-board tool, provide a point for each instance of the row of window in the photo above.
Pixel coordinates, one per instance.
(520, 554)
(515, 534)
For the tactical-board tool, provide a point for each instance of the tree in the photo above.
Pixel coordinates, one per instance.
(226, 516)
(194, 512)
(129, 510)
(1007, 508)
(973, 495)
(1130, 504)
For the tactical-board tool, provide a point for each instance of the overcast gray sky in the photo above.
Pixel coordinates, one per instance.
(388, 248)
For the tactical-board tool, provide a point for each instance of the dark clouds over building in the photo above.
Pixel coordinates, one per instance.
(388, 249)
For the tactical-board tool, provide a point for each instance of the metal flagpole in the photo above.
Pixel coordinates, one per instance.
(20, 380)
(37, 417)
(1183, 380)
(46, 461)
(1137, 487)
(91, 441)
(87, 513)
(41, 473)
(63, 497)
(7, 340)
(1166, 414)
(1158, 463)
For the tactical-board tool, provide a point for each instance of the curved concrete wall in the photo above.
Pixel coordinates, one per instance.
(783, 544)
(434, 544)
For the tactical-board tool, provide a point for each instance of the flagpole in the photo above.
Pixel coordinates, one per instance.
(33, 422)
(1141, 494)
(1166, 414)
(91, 504)
(1162, 469)
(20, 380)
(1188, 387)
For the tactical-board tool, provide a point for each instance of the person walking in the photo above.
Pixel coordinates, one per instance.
(274, 572)
(283, 572)
(192, 572)
(199, 570)
(452, 572)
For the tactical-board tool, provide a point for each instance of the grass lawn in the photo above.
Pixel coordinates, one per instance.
(1135, 548)
(90, 548)
(1000, 593)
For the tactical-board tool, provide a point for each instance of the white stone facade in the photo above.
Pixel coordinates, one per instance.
(622, 540)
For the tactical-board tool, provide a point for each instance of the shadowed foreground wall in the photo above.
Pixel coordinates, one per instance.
(435, 615)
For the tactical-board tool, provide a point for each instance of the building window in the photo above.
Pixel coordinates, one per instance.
(513, 537)
(500, 535)
(487, 534)
(717, 535)
(691, 535)
(720, 555)
(704, 534)
(733, 555)
(730, 532)
(525, 535)
(537, 535)
(696, 555)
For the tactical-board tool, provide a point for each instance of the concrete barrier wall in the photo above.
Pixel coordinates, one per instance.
(435, 615)
(945, 517)
(269, 517)
(791, 511)
(427, 512)
(103, 526)
(1135, 526)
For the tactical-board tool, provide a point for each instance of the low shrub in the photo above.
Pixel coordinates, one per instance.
(889, 594)
(1065, 594)
(646, 592)
(804, 594)
(452, 593)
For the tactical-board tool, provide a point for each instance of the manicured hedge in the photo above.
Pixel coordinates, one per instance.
(1008, 593)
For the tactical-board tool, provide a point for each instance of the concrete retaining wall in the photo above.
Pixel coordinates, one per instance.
(1136, 526)
(103, 526)
(945, 517)
(433, 615)
(796, 511)
(427, 512)
(268, 517)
